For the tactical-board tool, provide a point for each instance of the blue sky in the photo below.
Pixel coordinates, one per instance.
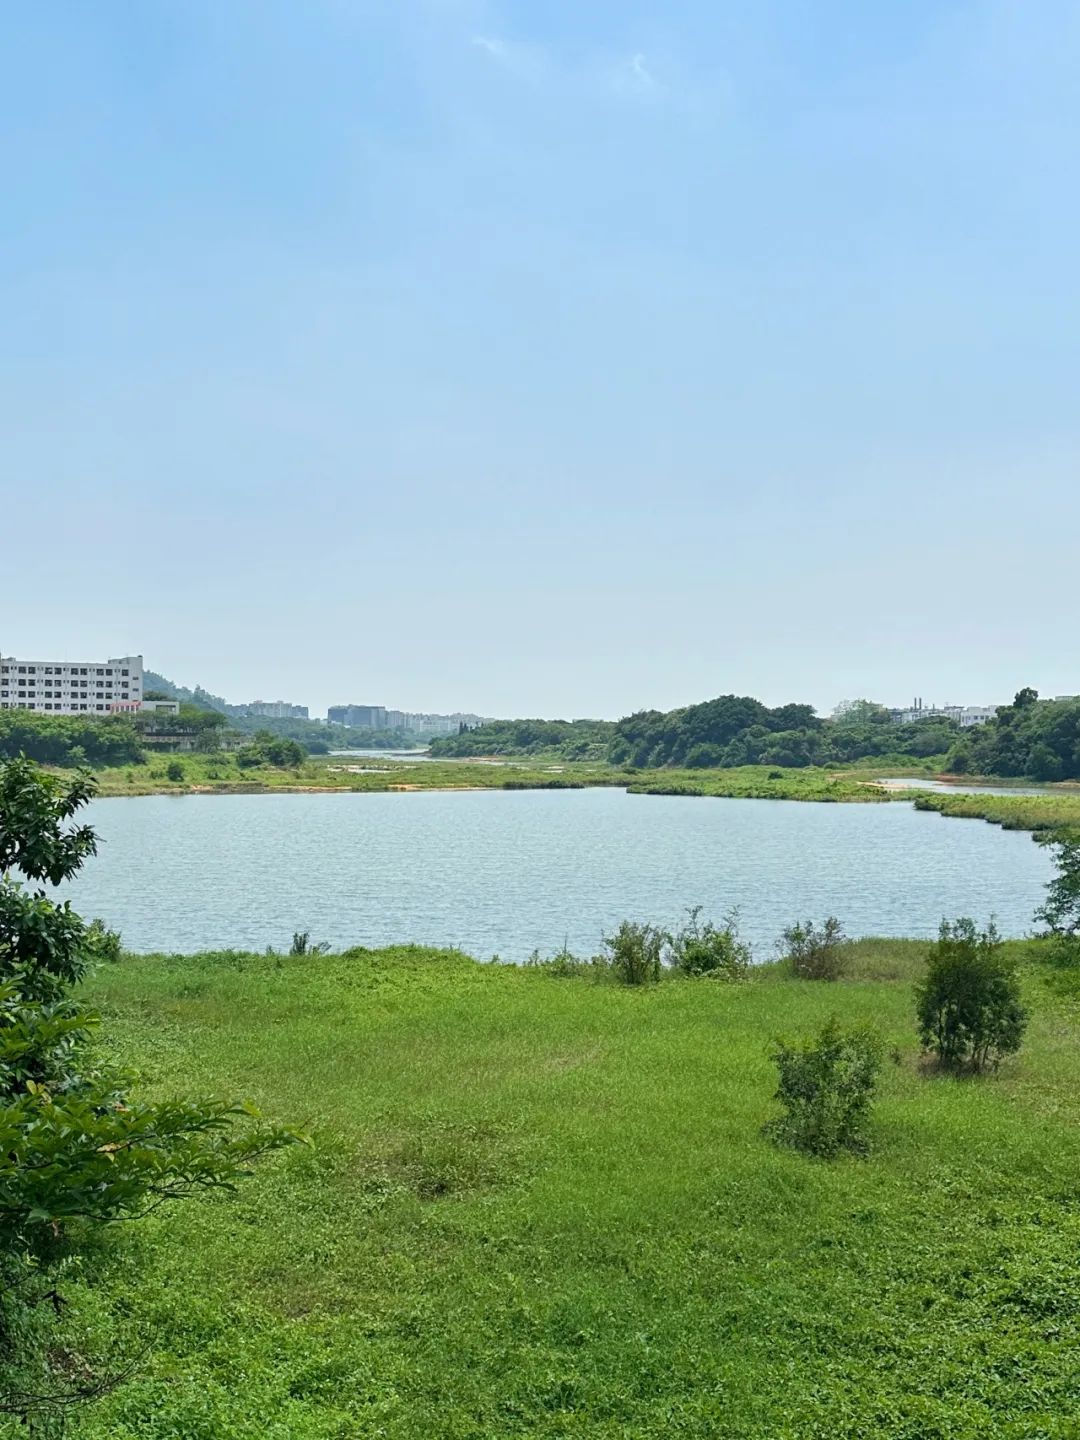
(544, 358)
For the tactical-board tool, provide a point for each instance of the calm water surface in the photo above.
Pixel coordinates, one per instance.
(504, 872)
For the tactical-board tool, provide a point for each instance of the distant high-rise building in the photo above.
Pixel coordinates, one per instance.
(377, 717)
(71, 687)
(360, 717)
(277, 710)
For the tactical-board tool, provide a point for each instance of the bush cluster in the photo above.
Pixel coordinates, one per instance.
(708, 949)
(268, 749)
(639, 953)
(968, 1004)
(825, 1086)
(815, 952)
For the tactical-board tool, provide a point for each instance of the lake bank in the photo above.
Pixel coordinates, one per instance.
(213, 775)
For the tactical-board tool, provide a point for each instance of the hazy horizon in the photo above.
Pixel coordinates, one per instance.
(533, 360)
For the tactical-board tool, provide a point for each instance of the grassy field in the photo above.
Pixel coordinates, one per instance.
(220, 774)
(1011, 812)
(765, 782)
(544, 1208)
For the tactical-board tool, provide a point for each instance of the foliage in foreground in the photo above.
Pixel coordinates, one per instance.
(77, 1149)
(968, 1006)
(825, 1086)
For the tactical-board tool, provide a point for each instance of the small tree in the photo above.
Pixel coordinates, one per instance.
(816, 952)
(635, 953)
(1060, 912)
(968, 1006)
(75, 1144)
(826, 1086)
(718, 952)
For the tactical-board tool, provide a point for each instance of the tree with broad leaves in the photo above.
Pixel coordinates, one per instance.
(77, 1148)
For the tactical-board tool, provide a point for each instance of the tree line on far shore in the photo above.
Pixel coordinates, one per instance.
(1030, 737)
(1034, 738)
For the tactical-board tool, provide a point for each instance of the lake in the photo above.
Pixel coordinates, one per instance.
(506, 872)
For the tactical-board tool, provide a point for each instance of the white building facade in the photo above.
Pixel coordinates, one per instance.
(71, 687)
(277, 710)
(965, 715)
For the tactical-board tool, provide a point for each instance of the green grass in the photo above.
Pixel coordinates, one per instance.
(765, 782)
(544, 1208)
(220, 774)
(1012, 812)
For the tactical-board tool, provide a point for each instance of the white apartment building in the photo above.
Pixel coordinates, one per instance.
(964, 715)
(277, 710)
(70, 687)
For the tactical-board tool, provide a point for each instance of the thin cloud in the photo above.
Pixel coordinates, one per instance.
(641, 71)
(495, 48)
(528, 62)
(628, 76)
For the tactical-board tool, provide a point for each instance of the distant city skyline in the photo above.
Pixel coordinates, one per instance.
(527, 359)
(297, 702)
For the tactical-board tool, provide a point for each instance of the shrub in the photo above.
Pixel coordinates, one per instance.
(826, 1086)
(103, 945)
(635, 953)
(968, 1006)
(267, 749)
(718, 952)
(174, 771)
(816, 953)
(302, 944)
(564, 964)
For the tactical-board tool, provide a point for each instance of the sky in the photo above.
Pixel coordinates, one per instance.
(527, 358)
